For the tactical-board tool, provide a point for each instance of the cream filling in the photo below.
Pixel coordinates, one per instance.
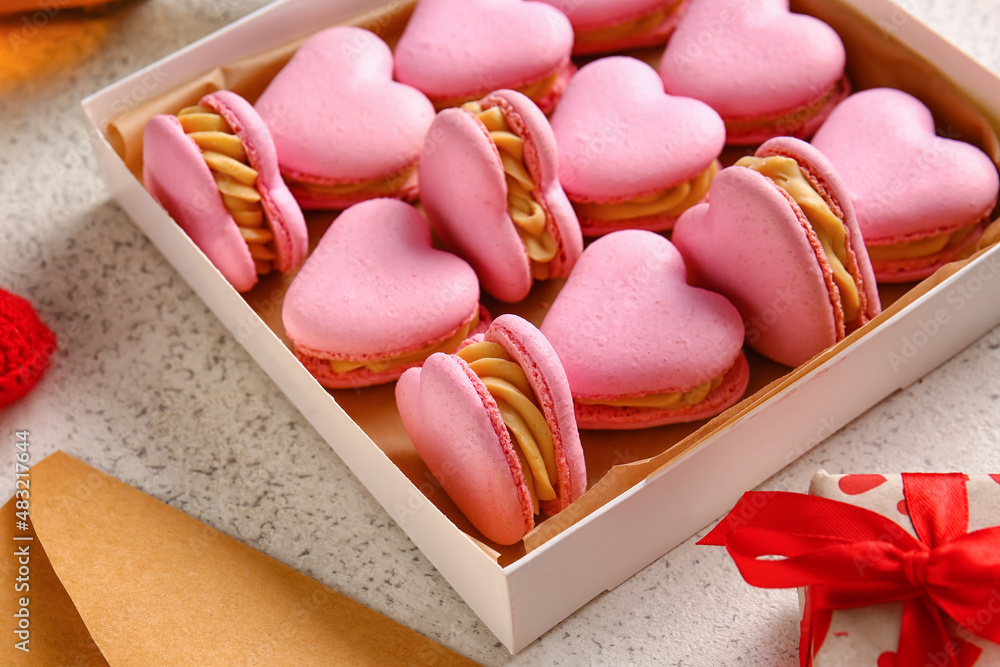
(387, 363)
(509, 387)
(789, 120)
(236, 179)
(381, 186)
(830, 230)
(670, 202)
(920, 248)
(522, 204)
(666, 401)
(533, 90)
(637, 26)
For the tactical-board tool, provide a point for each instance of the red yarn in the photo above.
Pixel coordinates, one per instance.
(26, 345)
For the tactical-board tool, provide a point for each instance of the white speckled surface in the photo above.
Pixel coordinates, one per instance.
(149, 387)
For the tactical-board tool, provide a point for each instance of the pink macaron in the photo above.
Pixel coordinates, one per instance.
(603, 26)
(344, 130)
(456, 51)
(779, 238)
(213, 167)
(374, 298)
(489, 183)
(767, 71)
(640, 346)
(630, 155)
(494, 423)
(921, 199)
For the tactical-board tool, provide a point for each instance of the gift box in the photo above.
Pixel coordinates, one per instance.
(893, 570)
(647, 491)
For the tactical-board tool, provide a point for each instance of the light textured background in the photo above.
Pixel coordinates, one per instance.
(149, 387)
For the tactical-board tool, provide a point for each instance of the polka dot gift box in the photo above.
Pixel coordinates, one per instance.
(892, 570)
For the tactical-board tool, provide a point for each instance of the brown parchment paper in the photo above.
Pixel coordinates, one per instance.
(616, 460)
(117, 577)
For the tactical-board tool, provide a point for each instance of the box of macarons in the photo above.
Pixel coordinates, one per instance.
(559, 280)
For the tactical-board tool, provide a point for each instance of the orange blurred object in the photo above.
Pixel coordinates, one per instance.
(43, 38)
(51, 7)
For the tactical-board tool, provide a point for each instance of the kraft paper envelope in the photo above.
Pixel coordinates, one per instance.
(106, 575)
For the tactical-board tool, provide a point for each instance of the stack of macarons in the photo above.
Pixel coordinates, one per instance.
(470, 164)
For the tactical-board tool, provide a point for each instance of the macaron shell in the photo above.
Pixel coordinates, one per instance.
(620, 136)
(465, 48)
(535, 355)
(541, 156)
(763, 60)
(337, 116)
(618, 418)
(826, 180)
(374, 287)
(463, 191)
(749, 244)
(175, 173)
(907, 183)
(467, 449)
(283, 215)
(626, 323)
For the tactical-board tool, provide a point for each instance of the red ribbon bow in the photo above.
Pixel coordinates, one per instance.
(852, 557)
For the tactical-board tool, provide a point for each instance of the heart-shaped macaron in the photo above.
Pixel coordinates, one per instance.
(623, 141)
(343, 129)
(459, 50)
(376, 298)
(916, 194)
(639, 345)
(767, 72)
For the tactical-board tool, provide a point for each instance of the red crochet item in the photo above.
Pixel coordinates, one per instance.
(25, 347)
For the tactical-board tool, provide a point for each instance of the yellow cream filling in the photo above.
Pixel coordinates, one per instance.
(787, 175)
(919, 248)
(670, 202)
(525, 210)
(781, 122)
(533, 90)
(387, 363)
(508, 385)
(236, 179)
(388, 185)
(667, 401)
(637, 26)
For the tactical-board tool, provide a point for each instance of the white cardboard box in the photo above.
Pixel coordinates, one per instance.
(522, 600)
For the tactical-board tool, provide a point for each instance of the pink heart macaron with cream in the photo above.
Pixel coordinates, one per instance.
(374, 298)
(630, 155)
(779, 238)
(214, 168)
(640, 346)
(490, 186)
(767, 71)
(344, 130)
(456, 51)
(604, 26)
(921, 200)
(494, 423)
